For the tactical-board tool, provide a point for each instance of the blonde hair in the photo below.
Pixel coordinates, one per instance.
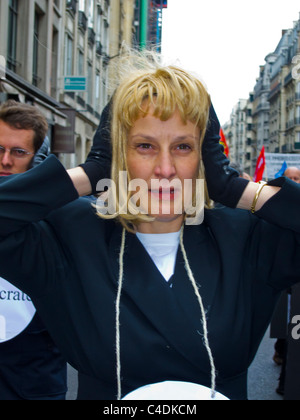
(165, 88)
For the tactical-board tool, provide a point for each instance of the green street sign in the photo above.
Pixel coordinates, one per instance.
(75, 84)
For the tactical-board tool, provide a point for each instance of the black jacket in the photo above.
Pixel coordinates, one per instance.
(69, 264)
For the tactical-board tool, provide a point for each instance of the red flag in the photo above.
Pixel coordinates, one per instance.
(224, 142)
(260, 166)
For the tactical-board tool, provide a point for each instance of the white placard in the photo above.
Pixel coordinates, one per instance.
(174, 390)
(16, 311)
(274, 162)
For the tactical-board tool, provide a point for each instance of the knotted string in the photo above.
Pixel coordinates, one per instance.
(196, 290)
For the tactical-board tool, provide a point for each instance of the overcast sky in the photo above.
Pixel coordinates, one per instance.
(225, 42)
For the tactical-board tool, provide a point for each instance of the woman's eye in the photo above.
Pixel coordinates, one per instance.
(184, 147)
(144, 146)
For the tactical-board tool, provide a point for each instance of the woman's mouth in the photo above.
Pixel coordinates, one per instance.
(164, 194)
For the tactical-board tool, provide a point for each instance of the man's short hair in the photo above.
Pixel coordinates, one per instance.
(25, 117)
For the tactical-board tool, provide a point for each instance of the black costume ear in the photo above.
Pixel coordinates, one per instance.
(98, 162)
(42, 153)
(223, 182)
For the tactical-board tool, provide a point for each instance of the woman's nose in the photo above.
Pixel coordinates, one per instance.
(165, 166)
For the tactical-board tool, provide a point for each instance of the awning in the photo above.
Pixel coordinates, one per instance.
(15, 85)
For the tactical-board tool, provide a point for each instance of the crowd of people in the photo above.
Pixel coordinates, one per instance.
(282, 315)
(135, 299)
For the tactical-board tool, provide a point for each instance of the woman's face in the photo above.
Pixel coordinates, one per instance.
(163, 150)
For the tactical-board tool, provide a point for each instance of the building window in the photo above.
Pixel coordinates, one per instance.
(298, 115)
(103, 86)
(90, 85)
(80, 69)
(35, 50)
(298, 91)
(91, 14)
(81, 6)
(98, 92)
(12, 35)
(68, 55)
(54, 64)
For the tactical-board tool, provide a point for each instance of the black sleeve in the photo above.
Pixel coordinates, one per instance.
(30, 254)
(276, 239)
(284, 207)
(31, 196)
(98, 163)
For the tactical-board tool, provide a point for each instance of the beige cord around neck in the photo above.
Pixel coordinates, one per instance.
(204, 321)
(196, 290)
(118, 301)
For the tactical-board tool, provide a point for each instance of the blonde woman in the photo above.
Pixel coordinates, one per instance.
(136, 298)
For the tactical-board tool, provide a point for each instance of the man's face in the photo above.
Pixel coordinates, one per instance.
(293, 174)
(12, 138)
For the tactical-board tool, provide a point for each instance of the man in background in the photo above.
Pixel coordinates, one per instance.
(293, 173)
(31, 367)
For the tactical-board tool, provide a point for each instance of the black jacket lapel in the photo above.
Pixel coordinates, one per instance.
(201, 252)
(175, 312)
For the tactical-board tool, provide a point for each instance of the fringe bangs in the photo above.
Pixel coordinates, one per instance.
(166, 89)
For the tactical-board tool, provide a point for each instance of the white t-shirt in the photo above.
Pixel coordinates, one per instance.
(162, 248)
(16, 311)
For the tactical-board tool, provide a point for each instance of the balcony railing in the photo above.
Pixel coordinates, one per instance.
(98, 48)
(82, 20)
(71, 5)
(91, 36)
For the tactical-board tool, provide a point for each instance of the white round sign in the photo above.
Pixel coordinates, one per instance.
(16, 311)
(173, 390)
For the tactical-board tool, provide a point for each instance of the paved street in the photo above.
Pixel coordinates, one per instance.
(263, 375)
(72, 384)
